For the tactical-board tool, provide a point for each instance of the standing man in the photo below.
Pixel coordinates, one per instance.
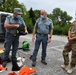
(12, 23)
(70, 46)
(43, 26)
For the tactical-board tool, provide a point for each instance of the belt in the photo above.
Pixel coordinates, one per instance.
(15, 34)
(42, 34)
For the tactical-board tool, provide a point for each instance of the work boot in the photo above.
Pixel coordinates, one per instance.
(70, 70)
(15, 66)
(44, 62)
(33, 64)
(65, 67)
(4, 63)
(8, 60)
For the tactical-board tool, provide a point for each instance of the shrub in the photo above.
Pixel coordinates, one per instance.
(65, 29)
(61, 30)
(57, 30)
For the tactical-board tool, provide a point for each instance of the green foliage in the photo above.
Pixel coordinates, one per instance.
(28, 22)
(2, 5)
(32, 15)
(65, 30)
(37, 14)
(61, 30)
(61, 19)
(57, 30)
(9, 6)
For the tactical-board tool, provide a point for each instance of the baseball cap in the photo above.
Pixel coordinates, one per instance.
(17, 10)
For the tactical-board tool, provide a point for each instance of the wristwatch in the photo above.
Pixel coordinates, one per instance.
(50, 37)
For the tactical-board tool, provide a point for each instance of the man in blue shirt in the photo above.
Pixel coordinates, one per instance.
(12, 23)
(43, 27)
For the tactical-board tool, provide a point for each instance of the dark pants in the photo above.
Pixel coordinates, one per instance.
(11, 40)
(40, 38)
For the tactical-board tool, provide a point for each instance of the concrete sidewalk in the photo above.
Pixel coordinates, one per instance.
(54, 56)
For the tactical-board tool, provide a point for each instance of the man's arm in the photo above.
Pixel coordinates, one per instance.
(69, 34)
(26, 29)
(69, 38)
(33, 36)
(49, 39)
(23, 23)
(51, 32)
(34, 31)
(9, 26)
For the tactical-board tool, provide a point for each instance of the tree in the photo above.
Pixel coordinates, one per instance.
(65, 18)
(32, 15)
(37, 14)
(9, 5)
(2, 5)
(28, 22)
(60, 17)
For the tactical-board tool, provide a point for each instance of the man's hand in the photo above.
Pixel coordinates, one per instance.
(33, 38)
(71, 39)
(49, 40)
(26, 32)
(9, 26)
(17, 25)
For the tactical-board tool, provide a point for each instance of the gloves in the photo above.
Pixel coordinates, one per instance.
(21, 30)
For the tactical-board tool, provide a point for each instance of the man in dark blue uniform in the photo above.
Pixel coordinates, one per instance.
(43, 27)
(12, 23)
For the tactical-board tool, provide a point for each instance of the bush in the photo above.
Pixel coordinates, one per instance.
(65, 30)
(30, 28)
(57, 30)
(61, 30)
(29, 23)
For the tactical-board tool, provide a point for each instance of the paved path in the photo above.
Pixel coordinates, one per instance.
(54, 56)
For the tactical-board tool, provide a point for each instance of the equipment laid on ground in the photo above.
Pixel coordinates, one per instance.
(25, 46)
(1, 55)
(20, 61)
(2, 68)
(27, 71)
(12, 73)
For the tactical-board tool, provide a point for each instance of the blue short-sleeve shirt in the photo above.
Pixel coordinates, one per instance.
(44, 26)
(10, 20)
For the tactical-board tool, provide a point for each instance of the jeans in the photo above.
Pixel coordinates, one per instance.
(10, 40)
(40, 38)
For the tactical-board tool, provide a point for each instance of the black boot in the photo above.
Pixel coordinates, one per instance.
(15, 66)
(4, 63)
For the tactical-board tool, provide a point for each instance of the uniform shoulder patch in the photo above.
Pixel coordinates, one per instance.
(9, 17)
(49, 19)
